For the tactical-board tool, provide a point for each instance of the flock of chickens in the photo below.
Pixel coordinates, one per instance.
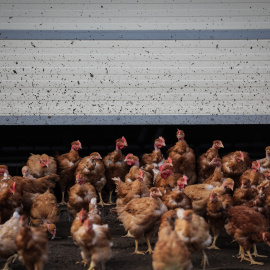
(184, 200)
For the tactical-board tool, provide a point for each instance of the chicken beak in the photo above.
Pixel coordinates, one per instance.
(53, 235)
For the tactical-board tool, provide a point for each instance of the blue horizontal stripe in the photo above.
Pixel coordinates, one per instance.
(136, 120)
(135, 34)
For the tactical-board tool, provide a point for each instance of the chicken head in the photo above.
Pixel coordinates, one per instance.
(160, 142)
(76, 145)
(217, 144)
(239, 156)
(180, 135)
(121, 143)
(3, 170)
(44, 160)
(255, 166)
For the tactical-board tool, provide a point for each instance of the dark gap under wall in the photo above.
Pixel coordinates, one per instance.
(19, 141)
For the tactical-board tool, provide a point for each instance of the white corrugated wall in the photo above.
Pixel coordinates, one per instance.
(172, 78)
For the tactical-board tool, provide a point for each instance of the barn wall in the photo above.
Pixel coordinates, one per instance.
(163, 63)
(134, 15)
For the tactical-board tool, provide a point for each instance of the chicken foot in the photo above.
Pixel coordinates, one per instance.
(213, 246)
(11, 259)
(82, 262)
(128, 234)
(92, 266)
(149, 250)
(251, 259)
(204, 260)
(63, 199)
(255, 252)
(100, 200)
(137, 248)
(110, 199)
(241, 254)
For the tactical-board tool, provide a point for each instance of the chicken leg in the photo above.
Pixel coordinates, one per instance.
(9, 260)
(251, 259)
(100, 200)
(92, 266)
(204, 260)
(213, 246)
(149, 250)
(255, 252)
(241, 254)
(128, 234)
(137, 249)
(63, 199)
(110, 199)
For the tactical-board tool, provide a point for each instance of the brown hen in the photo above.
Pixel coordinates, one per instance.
(151, 161)
(205, 166)
(216, 178)
(177, 198)
(80, 195)
(93, 171)
(183, 158)
(247, 227)
(8, 232)
(115, 166)
(133, 171)
(170, 252)
(216, 217)
(244, 193)
(234, 164)
(95, 244)
(32, 246)
(45, 212)
(66, 166)
(41, 165)
(253, 174)
(265, 162)
(11, 198)
(141, 216)
(199, 194)
(194, 232)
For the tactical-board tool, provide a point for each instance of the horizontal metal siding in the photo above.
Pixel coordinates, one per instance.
(131, 15)
(134, 78)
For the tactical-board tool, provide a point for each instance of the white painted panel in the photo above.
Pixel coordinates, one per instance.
(224, 77)
(133, 15)
(83, 66)
(133, 107)
(129, 95)
(118, 85)
(84, 2)
(110, 13)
